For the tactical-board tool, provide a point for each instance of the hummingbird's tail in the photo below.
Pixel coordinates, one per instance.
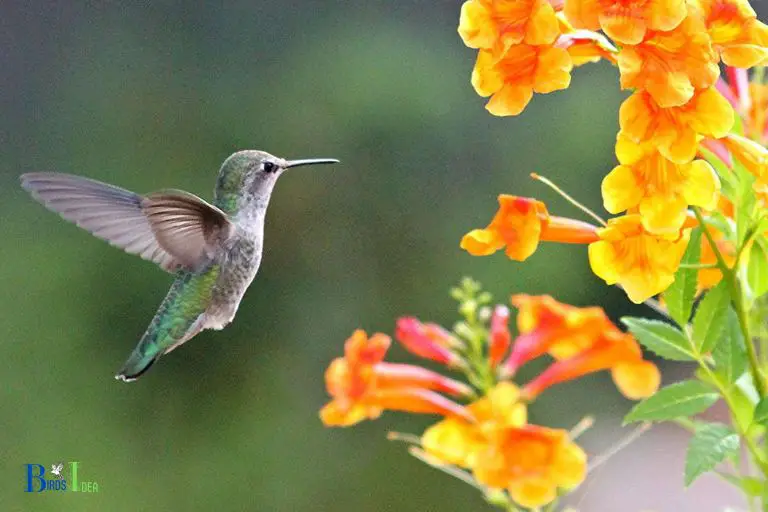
(136, 365)
(176, 321)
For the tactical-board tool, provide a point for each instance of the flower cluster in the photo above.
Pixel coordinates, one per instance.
(485, 430)
(668, 54)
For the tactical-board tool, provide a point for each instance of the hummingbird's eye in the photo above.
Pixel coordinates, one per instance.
(269, 167)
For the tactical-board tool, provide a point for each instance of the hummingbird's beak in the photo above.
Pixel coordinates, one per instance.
(310, 161)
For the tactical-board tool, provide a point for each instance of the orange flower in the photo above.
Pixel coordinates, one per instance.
(613, 350)
(755, 123)
(512, 78)
(626, 21)
(752, 155)
(670, 65)
(546, 325)
(642, 263)
(736, 33)
(504, 452)
(429, 341)
(520, 224)
(661, 189)
(362, 386)
(584, 46)
(500, 337)
(499, 24)
(673, 130)
(532, 463)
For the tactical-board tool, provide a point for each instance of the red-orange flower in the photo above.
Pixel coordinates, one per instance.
(520, 224)
(512, 78)
(548, 326)
(642, 263)
(362, 386)
(500, 337)
(674, 131)
(500, 23)
(737, 34)
(670, 65)
(613, 350)
(429, 341)
(626, 21)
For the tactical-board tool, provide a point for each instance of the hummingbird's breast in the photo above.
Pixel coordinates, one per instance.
(238, 266)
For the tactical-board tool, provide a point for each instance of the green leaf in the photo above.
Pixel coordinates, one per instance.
(709, 320)
(730, 354)
(761, 412)
(710, 445)
(757, 271)
(682, 399)
(660, 338)
(679, 296)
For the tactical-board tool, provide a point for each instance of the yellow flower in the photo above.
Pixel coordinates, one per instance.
(504, 452)
(511, 79)
(736, 32)
(499, 24)
(675, 130)
(661, 189)
(670, 65)
(642, 263)
(626, 21)
(520, 224)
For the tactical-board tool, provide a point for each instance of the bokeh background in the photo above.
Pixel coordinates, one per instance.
(158, 94)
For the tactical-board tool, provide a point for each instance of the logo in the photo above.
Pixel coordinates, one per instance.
(55, 481)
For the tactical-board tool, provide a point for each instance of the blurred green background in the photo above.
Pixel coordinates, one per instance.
(157, 95)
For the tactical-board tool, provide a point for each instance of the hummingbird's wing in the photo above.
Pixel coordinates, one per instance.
(173, 229)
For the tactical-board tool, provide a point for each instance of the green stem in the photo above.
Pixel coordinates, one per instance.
(739, 304)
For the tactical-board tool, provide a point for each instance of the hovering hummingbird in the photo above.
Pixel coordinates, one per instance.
(214, 250)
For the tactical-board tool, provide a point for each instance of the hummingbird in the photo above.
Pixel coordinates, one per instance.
(213, 250)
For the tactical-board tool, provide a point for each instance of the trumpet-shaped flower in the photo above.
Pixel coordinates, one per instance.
(614, 350)
(642, 263)
(626, 21)
(362, 385)
(512, 78)
(499, 24)
(505, 452)
(584, 46)
(674, 131)
(661, 189)
(736, 33)
(548, 326)
(500, 337)
(670, 65)
(520, 224)
(429, 341)
(752, 155)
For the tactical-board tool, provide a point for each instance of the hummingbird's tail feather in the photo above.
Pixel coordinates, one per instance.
(136, 366)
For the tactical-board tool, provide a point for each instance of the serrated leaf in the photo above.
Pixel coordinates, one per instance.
(680, 294)
(761, 412)
(710, 445)
(661, 338)
(730, 354)
(682, 399)
(709, 320)
(757, 270)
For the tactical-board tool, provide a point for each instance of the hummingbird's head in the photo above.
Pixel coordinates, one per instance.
(250, 176)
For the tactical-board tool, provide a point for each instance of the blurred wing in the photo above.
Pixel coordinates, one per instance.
(136, 224)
